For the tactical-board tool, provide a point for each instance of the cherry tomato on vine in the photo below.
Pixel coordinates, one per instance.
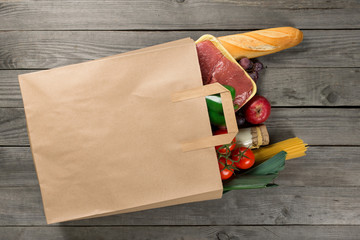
(225, 171)
(225, 149)
(244, 158)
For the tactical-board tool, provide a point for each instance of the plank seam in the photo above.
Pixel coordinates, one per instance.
(168, 30)
(176, 226)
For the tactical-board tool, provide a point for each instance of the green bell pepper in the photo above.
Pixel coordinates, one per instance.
(215, 109)
(217, 118)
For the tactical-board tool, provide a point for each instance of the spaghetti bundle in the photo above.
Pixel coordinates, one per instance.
(295, 147)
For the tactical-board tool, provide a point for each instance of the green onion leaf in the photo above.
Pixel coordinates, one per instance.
(260, 176)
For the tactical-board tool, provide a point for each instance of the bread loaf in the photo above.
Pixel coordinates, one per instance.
(262, 42)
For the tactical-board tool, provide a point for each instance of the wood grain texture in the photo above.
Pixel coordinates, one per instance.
(184, 233)
(10, 95)
(318, 196)
(281, 86)
(176, 14)
(271, 206)
(48, 49)
(310, 86)
(13, 127)
(316, 126)
(322, 167)
(17, 167)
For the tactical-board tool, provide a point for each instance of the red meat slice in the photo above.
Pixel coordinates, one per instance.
(208, 56)
(228, 73)
(215, 67)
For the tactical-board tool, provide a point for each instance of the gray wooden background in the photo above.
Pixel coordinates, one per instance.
(314, 90)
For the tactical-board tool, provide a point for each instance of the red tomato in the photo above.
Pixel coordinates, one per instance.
(225, 171)
(220, 131)
(225, 149)
(244, 158)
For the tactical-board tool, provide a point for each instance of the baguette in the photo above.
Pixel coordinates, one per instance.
(262, 42)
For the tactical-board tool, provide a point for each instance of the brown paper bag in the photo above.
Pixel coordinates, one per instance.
(124, 133)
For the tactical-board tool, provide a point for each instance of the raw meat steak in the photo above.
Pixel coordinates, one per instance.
(215, 67)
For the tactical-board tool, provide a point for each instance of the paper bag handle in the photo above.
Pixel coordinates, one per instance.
(229, 114)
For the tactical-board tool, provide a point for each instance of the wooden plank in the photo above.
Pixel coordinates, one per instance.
(17, 167)
(10, 95)
(322, 167)
(47, 49)
(310, 86)
(188, 233)
(13, 127)
(281, 86)
(176, 14)
(317, 126)
(271, 206)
